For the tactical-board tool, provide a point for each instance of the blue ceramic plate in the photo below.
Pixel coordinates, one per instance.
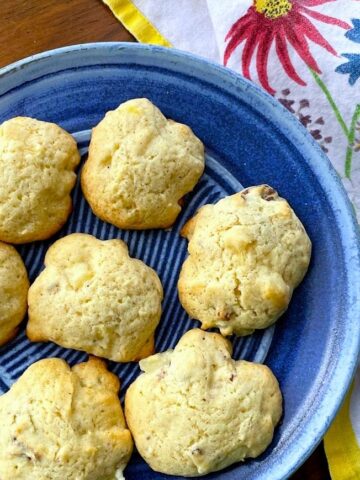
(250, 139)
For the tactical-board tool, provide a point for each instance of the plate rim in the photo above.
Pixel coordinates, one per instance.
(325, 174)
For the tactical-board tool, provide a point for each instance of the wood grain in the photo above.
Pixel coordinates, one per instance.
(315, 468)
(32, 26)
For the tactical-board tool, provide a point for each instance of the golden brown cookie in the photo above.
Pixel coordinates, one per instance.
(247, 253)
(14, 286)
(140, 165)
(195, 410)
(93, 296)
(60, 423)
(37, 161)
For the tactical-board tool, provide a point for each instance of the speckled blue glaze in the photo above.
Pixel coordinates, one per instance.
(250, 139)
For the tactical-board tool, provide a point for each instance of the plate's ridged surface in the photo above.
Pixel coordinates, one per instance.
(163, 250)
(250, 139)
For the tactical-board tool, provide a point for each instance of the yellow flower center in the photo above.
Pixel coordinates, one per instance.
(273, 8)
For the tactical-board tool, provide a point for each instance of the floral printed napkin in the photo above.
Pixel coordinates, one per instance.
(306, 53)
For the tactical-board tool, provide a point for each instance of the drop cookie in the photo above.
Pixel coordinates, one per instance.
(247, 253)
(140, 165)
(60, 423)
(93, 296)
(38, 160)
(14, 286)
(195, 410)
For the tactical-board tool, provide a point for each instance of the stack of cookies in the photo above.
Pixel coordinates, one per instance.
(193, 410)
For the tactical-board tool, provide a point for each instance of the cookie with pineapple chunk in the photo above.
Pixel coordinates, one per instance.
(38, 160)
(61, 423)
(93, 296)
(195, 410)
(140, 165)
(14, 286)
(247, 253)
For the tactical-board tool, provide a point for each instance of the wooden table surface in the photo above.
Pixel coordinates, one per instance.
(32, 26)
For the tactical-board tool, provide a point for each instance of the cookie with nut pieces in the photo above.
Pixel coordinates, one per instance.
(60, 423)
(195, 410)
(247, 253)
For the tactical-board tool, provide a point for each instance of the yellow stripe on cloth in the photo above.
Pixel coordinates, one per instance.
(341, 446)
(137, 24)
